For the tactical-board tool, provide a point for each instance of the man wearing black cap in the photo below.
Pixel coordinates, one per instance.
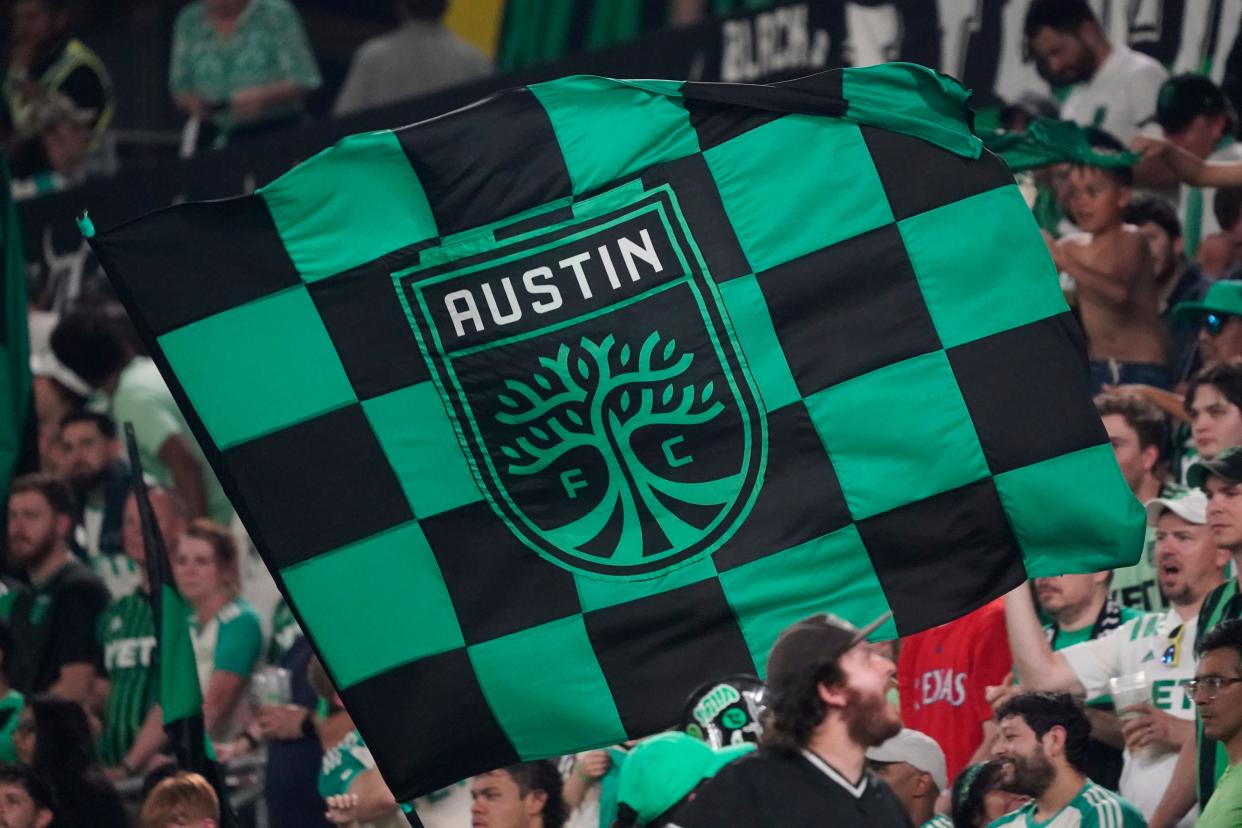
(1202, 761)
(827, 707)
(1197, 117)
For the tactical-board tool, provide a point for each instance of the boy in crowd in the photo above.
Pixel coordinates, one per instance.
(1111, 266)
(183, 800)
(26, 799)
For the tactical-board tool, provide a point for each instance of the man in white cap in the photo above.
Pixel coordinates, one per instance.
(1189, 566)
(913, 766)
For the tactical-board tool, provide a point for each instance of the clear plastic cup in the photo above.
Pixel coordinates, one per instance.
(270, 686)
(1127, 690)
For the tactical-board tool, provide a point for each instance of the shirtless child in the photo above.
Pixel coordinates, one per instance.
(1111, 266)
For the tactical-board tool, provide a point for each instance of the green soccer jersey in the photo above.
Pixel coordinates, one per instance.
(11, 704)
(127, 637)
(342, 762)
(938, 821)
(1093, 807)
(1224, 809)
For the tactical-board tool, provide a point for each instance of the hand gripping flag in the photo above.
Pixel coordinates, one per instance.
(181, 699)
(549, 409)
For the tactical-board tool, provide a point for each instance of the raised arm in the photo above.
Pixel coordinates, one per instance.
(1039, 668)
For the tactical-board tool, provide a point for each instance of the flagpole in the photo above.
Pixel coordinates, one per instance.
(190, 743)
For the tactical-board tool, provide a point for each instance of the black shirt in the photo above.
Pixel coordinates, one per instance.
(90, 800)
(54, 625)
(791, 791)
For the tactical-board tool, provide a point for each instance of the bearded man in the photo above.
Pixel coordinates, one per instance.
(1042, 738)
(828, 704)
(55, 647)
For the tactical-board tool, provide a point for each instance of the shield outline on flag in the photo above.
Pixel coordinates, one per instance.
(590, 216)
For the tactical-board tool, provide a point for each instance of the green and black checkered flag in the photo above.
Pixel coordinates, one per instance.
(546, 410)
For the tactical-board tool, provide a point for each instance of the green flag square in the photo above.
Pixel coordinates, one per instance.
(258, 367)
(599, 135)
(752, 323)
(546, 688)
(418, 439)
(364, 183)
(766, 195)
(1042, 508)
(395, 609)
(960, 287)
(887, 452)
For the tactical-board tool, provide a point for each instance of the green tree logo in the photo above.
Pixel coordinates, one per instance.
(599, 397)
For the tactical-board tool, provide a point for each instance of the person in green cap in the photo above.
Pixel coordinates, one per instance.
(1220, 315)
(662, 774)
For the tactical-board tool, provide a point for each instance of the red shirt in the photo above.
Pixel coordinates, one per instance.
(942, 673)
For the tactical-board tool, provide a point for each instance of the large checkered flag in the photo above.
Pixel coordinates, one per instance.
(544, 411)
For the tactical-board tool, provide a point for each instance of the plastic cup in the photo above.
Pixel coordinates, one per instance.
(1127, 690)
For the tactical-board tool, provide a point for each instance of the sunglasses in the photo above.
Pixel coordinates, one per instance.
(1212, 323)
(1174, 652)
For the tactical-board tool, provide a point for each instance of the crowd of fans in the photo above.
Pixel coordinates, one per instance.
(1114, 697)
(237, 69)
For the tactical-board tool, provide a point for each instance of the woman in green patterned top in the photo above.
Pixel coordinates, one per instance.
(242, 65)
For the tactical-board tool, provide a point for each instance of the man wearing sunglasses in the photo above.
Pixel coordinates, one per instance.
(1189, 567)
(1217, 691)
(1202, 763)
(1220, 316)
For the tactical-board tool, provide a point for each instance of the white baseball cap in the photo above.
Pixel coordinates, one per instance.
(916, 749)
(1189, 504)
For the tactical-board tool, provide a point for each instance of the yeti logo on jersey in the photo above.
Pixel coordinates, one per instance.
(598, 390)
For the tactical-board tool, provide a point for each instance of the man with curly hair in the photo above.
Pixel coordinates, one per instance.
(1042, 738)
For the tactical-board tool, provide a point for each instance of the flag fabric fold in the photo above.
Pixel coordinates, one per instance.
(547, 410)
(18, 450)
(1048, 141)
(180, 697)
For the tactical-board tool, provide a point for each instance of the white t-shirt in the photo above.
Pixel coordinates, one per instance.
(1139, 646)
(1120, 96)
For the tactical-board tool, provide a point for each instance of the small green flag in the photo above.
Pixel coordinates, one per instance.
(180, 697)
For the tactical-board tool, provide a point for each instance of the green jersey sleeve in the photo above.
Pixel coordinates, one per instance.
(239, 640)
